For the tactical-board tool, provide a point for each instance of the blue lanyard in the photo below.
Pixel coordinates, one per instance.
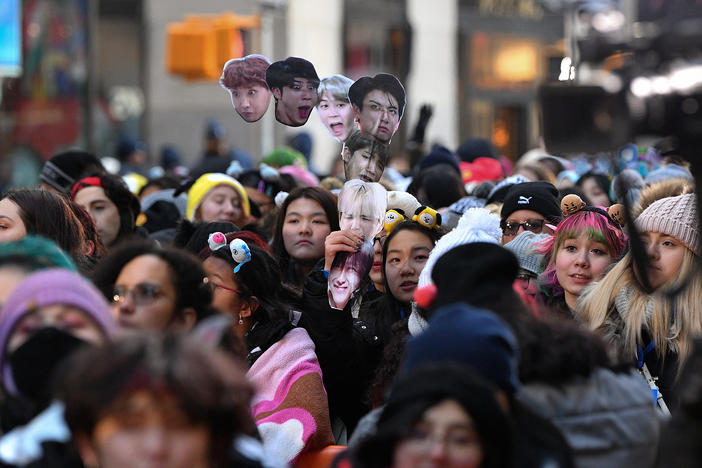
(641, 353)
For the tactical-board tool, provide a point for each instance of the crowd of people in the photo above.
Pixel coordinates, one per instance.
(470, 313)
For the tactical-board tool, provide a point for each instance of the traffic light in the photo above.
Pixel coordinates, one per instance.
(198, 47)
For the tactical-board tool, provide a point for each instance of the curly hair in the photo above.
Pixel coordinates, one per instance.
(185, 272)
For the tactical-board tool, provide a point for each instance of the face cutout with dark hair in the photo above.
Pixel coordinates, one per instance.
(364, 158)
(361, 209)
(245, 79)
(294, 83)
(378, 105)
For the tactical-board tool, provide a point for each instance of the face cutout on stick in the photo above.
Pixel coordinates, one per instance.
(245, 79)
(334, 108)
(378, 104)
(361, 209)
(293, 83)
(364, 158)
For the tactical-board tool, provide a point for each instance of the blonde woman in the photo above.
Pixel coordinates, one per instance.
(644, 323)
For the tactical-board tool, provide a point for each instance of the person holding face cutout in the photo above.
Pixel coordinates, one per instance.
(245, 79)
(361, 214)
(378, 104)
(294, 83)
(364, 158)
(334, 109)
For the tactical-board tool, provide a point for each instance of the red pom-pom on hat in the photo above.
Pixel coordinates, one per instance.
(424, 296)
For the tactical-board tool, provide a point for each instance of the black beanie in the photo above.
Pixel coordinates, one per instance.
(64, 169)
(473, 273)
(541, 197)
(439, 155)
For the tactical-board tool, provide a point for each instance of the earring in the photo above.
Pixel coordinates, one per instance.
(241, 320)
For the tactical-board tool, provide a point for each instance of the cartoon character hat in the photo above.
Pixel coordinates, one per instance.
(207, 182)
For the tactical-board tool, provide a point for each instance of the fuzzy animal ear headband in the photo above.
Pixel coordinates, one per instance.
(572, 204)
(239, 249)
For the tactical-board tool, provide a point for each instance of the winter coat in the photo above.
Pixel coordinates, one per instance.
(349, 349)
(608, 418)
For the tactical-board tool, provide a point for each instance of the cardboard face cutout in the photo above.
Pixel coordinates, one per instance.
(362, 210)
(334, 108)
(245, 80)
(294, 83)
(364, 158)
(378, 104)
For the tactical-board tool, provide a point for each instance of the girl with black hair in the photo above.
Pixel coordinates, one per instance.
(283, 366)
(444, 415)
(305, 218)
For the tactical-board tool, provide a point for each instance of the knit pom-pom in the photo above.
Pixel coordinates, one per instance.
(480, 219)
(424, 296)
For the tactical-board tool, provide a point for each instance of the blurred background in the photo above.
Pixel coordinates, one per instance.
(96, 73)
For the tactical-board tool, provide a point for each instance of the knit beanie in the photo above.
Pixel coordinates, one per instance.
(524, 247)
(44, 288)
(439, 155)
(669, 171)
(541, 197)
(498, 192)
(466, 335)
(64, 169)
(35, 253)
(476, 225)
(674, 216)
(207, 182)
(474, 273)
(474, 148)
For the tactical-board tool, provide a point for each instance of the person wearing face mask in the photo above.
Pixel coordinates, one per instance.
(49, 315)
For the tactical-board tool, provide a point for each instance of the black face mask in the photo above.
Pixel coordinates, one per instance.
(35, 361)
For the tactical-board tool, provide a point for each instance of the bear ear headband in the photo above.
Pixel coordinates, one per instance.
(239, 249)
(572, 204)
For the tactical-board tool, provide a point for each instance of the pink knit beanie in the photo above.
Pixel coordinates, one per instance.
(674, 216)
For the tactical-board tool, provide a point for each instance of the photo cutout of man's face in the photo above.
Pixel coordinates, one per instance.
(380, 116)
(295, 102)
(336, 115)
(366, 163)
(361, 209)
(344, 279)
(251, 102)
(245, 80)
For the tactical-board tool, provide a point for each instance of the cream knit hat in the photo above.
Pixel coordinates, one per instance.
(674, 216)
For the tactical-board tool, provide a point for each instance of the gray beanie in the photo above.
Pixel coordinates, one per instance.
(524, 246)
(674, 216)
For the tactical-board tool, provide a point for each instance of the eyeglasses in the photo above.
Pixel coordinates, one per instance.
(526, 277)
(510, 228)
(142, 294)
(380, 240)
(212, 285)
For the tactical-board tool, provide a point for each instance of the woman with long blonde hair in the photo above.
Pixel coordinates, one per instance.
(645, 323)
